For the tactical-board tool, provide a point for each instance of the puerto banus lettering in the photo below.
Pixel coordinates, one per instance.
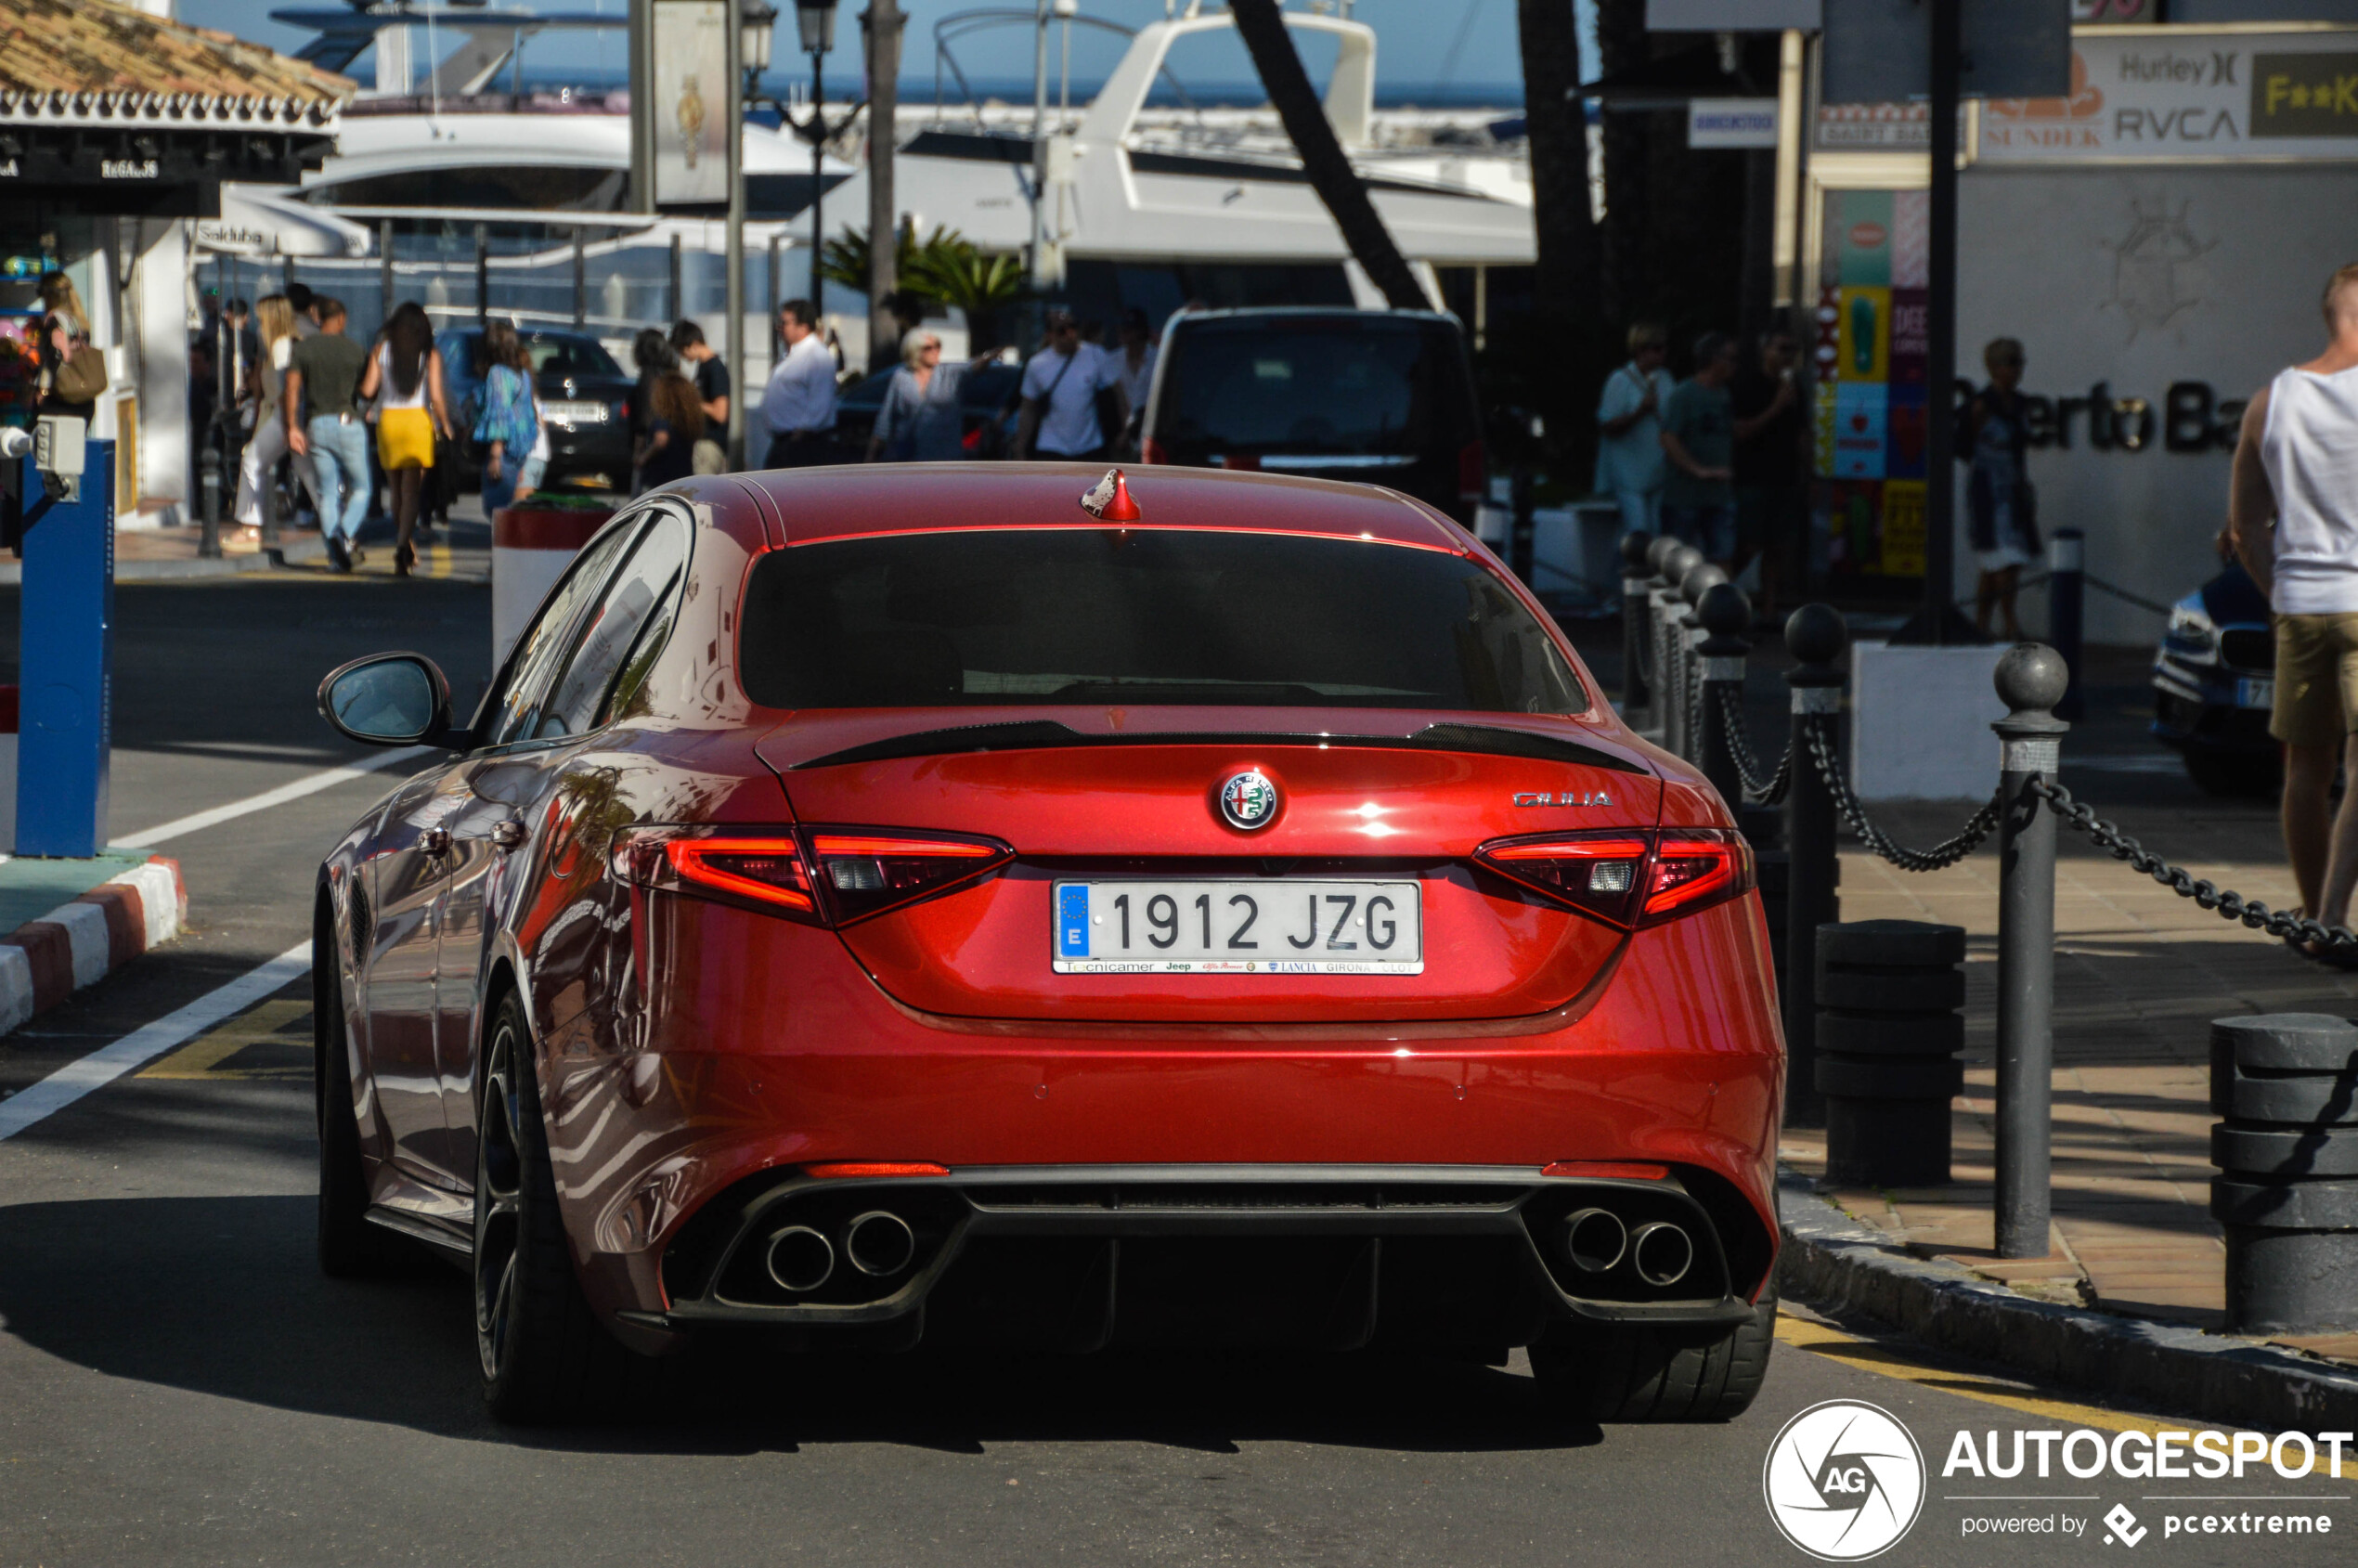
(2190, 418)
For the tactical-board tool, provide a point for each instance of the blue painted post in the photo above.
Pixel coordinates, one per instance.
(66, 652)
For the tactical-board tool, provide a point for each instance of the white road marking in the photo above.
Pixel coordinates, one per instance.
(311, 783)
(148, 1041)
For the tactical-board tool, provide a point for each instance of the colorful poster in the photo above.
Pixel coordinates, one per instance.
(1862, 238)
(1910, 336)
(1907, 432)
(1860, 430)
(1823, 425)
(1903, 528)
(691, 102)
(20, 366)
(1865, 351)
(1853, 512)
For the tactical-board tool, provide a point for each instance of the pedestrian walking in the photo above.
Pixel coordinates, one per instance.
(1071, 394)
(1773, 458)
(2296, 467)
(1136, 366)
(652, 357)
(274, 320)
(710, 373)
(404, 377)
(1629, 457)
(73, 370)
(923, 419)
(798, 406)
(2001, 510)
(321, 405)
(675, 423)
(1699, 437)
(509, 424)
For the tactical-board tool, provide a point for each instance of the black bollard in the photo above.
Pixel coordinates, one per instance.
(1635, 625)
(1817, 637)
(2066, 591)
(2031, 679)
(1725, 615)
(1687, 635)
(2287, 1193)
(1673, 562)
(1891, 995)
(209, 498)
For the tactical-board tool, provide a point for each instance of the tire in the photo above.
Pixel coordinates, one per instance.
(545, 1357)
(350, 1248)
(1622, 1372)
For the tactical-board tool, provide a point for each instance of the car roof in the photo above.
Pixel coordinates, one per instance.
(873, 499)
(1307, 313)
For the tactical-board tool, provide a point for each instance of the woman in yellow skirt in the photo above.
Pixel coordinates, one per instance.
(405, 376)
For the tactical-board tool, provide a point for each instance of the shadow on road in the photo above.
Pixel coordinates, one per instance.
(221, 1295)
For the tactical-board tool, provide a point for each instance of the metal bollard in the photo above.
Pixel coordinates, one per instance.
(1678, 647)
(209, 499)
(1891, 995)
(1816, 637)
(1726, 615)
(2029, 679)
(1635, 569)
(2065, 604)
(2287, 1193)
(1671, 563)
(1691, 588)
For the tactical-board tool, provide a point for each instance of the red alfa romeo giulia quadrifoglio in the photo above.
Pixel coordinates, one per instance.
(1002, 905)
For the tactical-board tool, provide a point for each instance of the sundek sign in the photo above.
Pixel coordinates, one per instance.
(2184, 92)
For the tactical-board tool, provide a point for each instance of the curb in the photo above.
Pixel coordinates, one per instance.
(1830, 1259)
(81, 942)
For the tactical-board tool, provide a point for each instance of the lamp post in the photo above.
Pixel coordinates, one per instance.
(817, 20)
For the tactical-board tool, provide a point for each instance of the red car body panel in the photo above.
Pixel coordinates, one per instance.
(686, 1045)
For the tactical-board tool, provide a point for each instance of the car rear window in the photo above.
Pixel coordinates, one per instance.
(553, 356)
(1365, 387)
(1143, 617)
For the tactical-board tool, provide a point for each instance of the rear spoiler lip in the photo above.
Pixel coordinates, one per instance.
(1047, 734)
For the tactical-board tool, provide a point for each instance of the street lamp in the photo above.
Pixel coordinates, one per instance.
(755, 20)
(817, 22)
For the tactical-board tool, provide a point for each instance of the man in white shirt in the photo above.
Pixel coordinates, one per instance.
(2292, 511)
(1631, 462)
(1136, 360)
(1059, 418)
(799, 403)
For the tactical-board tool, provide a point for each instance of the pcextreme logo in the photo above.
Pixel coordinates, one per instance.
(1844, 1481)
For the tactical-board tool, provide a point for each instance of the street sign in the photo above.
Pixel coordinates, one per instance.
(1732, 16)
(1714, 123)
(1880, 51)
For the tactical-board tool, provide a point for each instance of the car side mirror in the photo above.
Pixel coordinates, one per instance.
(390, 699)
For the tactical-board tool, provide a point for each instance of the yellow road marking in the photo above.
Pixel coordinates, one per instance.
(1803, 1334)
(266, 1024)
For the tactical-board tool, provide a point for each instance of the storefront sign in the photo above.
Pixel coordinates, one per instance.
(2183, 93)
(1731, 123)
(691, 102)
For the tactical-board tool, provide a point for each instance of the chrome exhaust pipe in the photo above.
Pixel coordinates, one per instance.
(879, 1243)
(1663, 1252)
(1594, 1239)
(800, 1259)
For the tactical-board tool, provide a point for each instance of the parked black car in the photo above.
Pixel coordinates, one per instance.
(584, 395)
(2214, 681)
(986, 401)
(1385, 397)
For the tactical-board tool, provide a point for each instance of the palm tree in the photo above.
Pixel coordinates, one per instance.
(1330, 174)
(949, 268)
(1566, 228)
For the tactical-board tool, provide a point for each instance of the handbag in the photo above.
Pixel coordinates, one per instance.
(81, 377)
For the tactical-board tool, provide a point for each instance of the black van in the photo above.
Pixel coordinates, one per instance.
(1385, 397)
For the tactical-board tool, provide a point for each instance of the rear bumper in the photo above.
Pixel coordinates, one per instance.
(1080, 1257)
(752, 1064)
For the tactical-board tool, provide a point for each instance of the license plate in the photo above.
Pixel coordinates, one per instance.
(575, 413)
(2255, 693)
(1265, 927)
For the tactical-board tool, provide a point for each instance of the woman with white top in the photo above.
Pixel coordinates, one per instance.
(405, 376)
(274, 317)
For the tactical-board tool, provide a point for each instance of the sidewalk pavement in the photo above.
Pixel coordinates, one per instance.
(2140, 973)
(170, 555)
(71, 923)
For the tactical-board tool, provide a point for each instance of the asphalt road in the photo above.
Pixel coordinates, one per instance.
(179, 1385)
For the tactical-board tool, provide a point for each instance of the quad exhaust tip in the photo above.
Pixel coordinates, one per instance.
(1663, 1253)
(879, 1243)
(800, 1259)
(1594, 1239)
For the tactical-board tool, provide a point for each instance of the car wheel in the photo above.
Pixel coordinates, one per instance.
(350, 1248)
(545, 1357)
(1638, 1372)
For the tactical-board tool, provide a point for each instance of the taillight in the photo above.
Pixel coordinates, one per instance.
(1474, 473)
(829, 876)
(1152, 450)
(866, 872)
(1627, 878)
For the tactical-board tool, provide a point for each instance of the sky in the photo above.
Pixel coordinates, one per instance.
(1421, 45)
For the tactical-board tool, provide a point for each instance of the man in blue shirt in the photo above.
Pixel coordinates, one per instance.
(1699, 436)
(1630, 460)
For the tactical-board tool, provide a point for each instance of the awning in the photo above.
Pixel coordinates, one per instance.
(265, 223)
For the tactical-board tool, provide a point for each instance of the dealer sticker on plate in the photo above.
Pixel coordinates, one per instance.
(1265, 927)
